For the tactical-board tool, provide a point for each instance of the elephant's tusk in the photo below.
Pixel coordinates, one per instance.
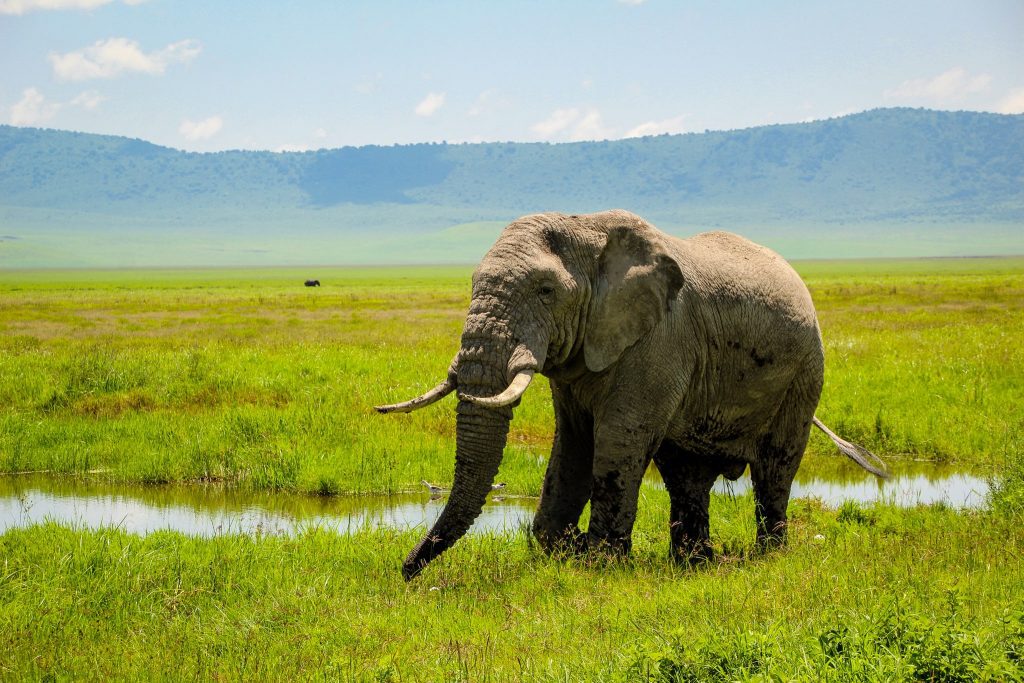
(435, 394)
(508, 397)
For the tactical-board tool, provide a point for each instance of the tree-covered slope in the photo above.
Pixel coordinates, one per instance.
(887, 163)
(883, 163)
(877, 168)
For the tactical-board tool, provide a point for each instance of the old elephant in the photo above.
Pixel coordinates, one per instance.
(703, 354)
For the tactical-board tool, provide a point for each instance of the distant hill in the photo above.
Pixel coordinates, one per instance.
(899, 181)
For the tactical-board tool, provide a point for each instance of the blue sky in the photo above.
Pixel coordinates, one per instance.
(217, 75)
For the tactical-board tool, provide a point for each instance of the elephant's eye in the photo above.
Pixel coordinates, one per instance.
(546, 291)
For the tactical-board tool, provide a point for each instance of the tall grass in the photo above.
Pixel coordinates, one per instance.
(247, 377)
(925, 594)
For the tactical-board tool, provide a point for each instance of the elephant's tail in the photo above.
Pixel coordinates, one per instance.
(860, 455)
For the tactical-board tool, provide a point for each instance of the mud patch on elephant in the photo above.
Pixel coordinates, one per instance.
(608, 487)
(761, 361)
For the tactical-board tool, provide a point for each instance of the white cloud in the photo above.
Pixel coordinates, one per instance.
(673, 125)
(90, 99)
(430, 104)
(950, 85)
(23, 6)
(33, 108)
(559, 120)
(201, 130)
(591, 127)
(1013, 103)
(116, 56)
(572, 124)
(634, 3)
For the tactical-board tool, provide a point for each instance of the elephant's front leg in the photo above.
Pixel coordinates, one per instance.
(621, 456)
(567, 482)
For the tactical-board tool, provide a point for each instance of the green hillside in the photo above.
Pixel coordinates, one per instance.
(911, 182)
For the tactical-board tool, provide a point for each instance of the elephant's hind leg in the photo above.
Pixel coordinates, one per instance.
(779, 452)
(688, 480)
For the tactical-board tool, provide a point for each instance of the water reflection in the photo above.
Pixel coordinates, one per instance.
(211, 510)
(832, 480)
(207, 511)
(955, 490)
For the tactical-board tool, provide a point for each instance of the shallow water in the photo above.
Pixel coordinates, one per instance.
(211, 510)
(955, 490)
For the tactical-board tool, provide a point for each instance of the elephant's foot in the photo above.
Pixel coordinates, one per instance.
(612, 545)
(690, 547)
(690, 540)
(771, 538)
(692, 554)
(567, 542)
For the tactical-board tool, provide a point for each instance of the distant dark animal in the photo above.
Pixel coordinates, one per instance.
(312, 283)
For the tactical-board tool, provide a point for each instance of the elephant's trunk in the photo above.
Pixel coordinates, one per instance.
(480, 435)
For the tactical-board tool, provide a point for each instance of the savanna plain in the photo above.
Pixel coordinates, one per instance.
(245, 379)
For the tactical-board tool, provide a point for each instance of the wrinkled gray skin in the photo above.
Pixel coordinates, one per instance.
(702, 353)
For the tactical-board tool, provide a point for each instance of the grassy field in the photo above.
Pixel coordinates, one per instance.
(246, 378)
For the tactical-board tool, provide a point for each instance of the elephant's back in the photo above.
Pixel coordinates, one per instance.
(753, 308)
(724, 267)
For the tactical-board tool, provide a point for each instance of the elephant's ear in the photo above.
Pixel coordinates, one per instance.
(637, 280)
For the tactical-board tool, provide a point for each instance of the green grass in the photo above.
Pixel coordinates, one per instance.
(883, 595)
(247, 378)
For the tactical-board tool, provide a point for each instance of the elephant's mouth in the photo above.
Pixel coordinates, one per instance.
(515, 390)
(522, 365)
(512, 393)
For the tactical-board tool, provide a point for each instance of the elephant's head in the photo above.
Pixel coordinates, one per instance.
(554, 293)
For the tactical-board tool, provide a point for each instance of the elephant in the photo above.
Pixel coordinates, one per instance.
(312, 283)
(702, 354)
